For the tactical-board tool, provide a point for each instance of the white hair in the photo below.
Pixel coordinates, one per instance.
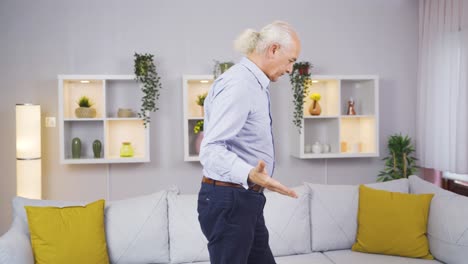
(277, 32)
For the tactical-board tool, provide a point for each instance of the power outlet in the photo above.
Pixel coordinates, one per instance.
(50, 121)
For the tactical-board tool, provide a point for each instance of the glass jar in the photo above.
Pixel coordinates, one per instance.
(126, 150)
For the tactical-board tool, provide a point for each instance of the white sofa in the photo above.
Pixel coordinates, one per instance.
(319, 227)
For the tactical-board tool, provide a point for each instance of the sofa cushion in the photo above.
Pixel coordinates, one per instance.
(20, 219)
(72, 234)
(333, 210)
(187, 242)
(447, 227)
(288, 222)
(393, 223)
(137, 229)
(315, 258)
(351, 257)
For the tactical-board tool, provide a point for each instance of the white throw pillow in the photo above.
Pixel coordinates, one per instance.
(187, 242)
(137, 229)
(447, 227)
(288, 222)
(333, 212)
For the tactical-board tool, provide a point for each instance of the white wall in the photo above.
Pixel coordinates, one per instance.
(41, 39)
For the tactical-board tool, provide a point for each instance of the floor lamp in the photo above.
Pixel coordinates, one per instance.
(28, 151)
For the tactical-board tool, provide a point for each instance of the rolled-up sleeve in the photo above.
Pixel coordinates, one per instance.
(227, 113)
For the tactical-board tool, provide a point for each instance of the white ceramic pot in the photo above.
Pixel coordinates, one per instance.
(316, 148)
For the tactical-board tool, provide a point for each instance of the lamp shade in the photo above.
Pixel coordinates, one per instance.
(28, 151)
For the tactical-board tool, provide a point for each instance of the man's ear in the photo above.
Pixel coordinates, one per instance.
(273, 49)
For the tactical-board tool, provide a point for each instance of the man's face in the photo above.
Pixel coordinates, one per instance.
(282, 59)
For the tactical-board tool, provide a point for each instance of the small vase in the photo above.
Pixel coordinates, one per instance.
(314, 108)
(126, 151)
(351, 110)
(198, 142)
(304, 70)
(317, 148)
(97, 147)
(76, 148)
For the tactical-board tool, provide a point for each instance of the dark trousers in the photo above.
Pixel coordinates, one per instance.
(232, 220)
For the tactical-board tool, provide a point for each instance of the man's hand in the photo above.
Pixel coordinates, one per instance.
(259, 175)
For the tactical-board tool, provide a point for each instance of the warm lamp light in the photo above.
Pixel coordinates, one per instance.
(28, 151)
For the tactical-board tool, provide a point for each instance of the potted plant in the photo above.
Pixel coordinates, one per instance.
(221, 67)
(146, 74)
(85, 110)
(400, 162)
(315, 108)
(299, 80)
(198, 130)
(201, 101)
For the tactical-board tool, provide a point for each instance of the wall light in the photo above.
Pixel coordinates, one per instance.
(28, 151)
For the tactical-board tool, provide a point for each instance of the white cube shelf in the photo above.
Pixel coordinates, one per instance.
(193, 86)
(108, 93)
(347, 136)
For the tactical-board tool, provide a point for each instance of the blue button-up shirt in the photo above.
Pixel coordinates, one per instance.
(238, 126)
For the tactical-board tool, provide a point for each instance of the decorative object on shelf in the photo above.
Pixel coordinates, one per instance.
(308, 148)
(126, 151)
(97, 148)
(317, 148)
(28, 151)
(76, 148)
(300, 81)
(315, 108)
(125, 112)
(326, 148)
(400, 162)
(356, 147)
(198, 129)
(201, 101)
(146, 74)
(344, 146)
(351, 109)
(85, 110)
(221, 67)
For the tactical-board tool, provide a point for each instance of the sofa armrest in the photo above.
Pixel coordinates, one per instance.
(15, 247)
(447, 228)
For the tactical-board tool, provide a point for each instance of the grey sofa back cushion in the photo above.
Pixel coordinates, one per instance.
(288, 222)
(448, 225)
(334, 209)
(136, 228)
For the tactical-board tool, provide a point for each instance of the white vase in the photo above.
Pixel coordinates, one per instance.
(317, 148)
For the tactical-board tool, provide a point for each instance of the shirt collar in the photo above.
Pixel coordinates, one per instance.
(256, 71)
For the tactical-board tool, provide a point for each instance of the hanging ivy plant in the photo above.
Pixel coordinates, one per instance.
(299, 78)
(146, 74)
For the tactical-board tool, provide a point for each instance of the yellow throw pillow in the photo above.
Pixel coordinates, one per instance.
(68, 235)
(393, 223)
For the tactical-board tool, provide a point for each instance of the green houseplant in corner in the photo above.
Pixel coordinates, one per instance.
(400, 162)
(146, 74)
(299, 80)
(85, 110)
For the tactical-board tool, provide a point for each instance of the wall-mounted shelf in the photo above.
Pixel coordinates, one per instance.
(108, 93)
(193, 85)
(349, 136)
